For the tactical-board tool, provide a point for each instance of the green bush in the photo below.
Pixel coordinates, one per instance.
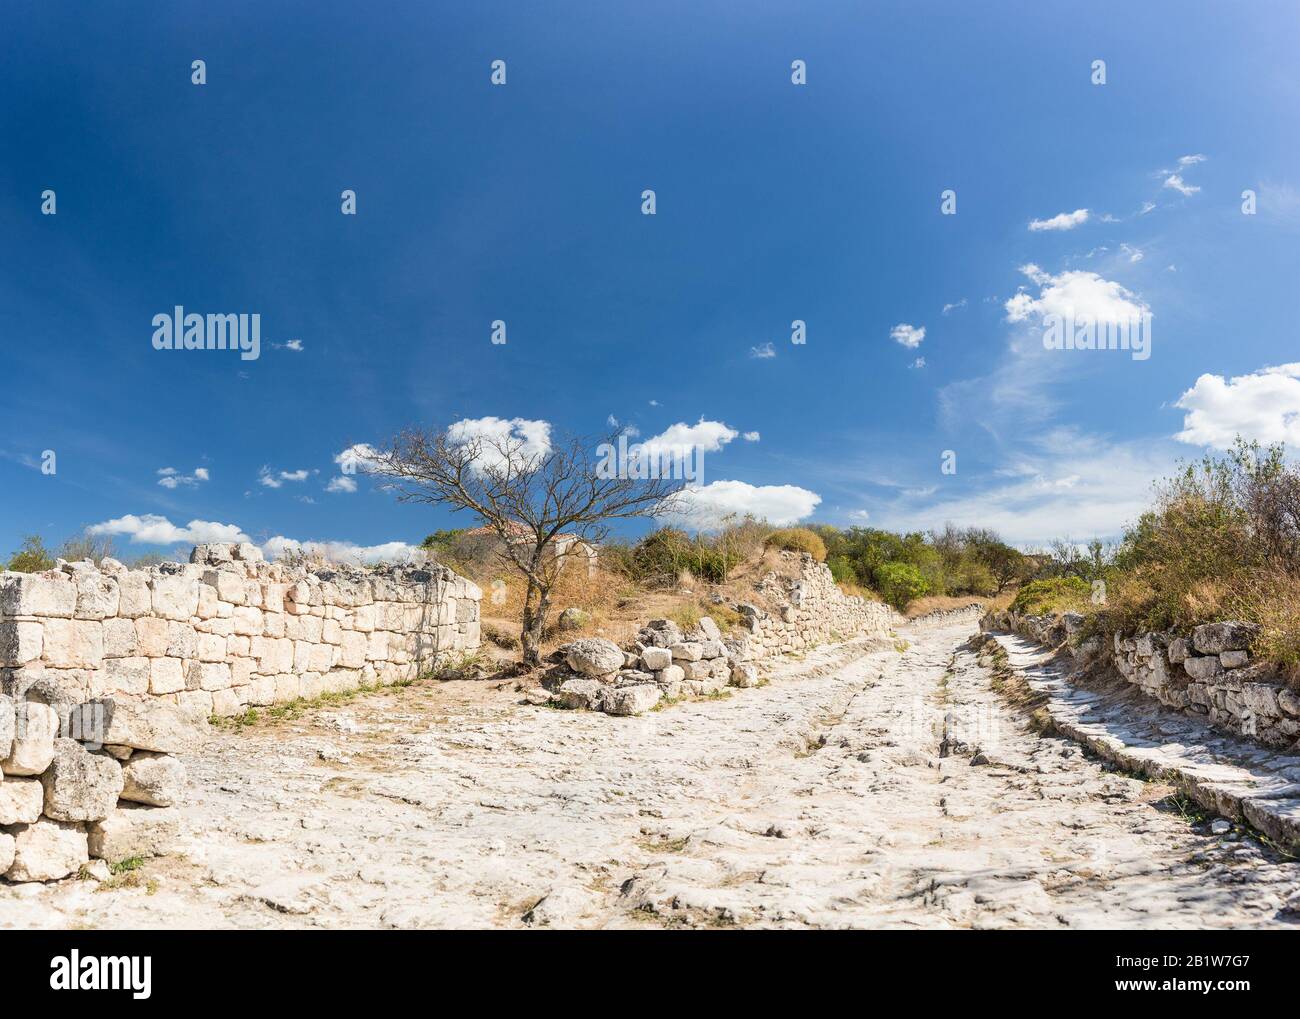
(1056, 594)
(32, 558)
(798, 539)
(900, 584)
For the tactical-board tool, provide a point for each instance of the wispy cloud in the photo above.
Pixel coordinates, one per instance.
(763, 351)
(170, 477)
(1061, 221)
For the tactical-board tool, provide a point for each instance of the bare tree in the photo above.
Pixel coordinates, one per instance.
(528, 493)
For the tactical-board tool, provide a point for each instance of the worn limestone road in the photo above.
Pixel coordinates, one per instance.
(841, 794)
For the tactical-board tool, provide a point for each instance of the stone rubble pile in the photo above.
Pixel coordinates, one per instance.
(60, 796)
(665, 662)
(1209, 672)
(227, 630)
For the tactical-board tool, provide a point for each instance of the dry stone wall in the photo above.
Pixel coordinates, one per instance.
(227, 630)
(666, 661)
(106, 673)
(1209, 672)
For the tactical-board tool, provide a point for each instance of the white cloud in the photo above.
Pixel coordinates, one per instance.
(294, 345)
(1263, 406)
(918, 363)
(762, 351)
(273, 479)
(170, 477)
(751, 436)
(1186, 161)
(1083, 295)
(359, 456)
(341, 483)
(521, 438)
(1176, 182)
(705, 507)
(1134, 254)
(908, 335)
(707, 436)
(954, 306)
(859, 516)
(1061, 221)
(152, 529)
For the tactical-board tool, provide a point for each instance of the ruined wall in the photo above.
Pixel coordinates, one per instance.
(811, 610)
(1208, 673)
(227, 630)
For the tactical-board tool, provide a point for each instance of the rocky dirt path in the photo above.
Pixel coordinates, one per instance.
(845, 793)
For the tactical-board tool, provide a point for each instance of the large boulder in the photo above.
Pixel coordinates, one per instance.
(6, 851)
(630, 700)
(157, 780)
(594, 656)
(573, 618)
(150, 725)
(21, 800)
(80, 786)
(47, 850)
(656, 658)
(132, 831)
(579, 693)
(1215, 638)
(660, 633)
(35, 727)
(744, 674)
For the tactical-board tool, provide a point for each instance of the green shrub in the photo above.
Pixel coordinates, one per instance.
(900, 584)
(798, 539)
(32, 558)
(1056, 594)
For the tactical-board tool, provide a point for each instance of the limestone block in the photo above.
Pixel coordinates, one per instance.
(687, 651)
(248, 621)
(274, 624)
(35, 727)
(363, 618)
(744, 674)
(321, 658)
(73, 643)
(207, 676)
(1214, 638)
(127, 675)
(239, 647)
(120, 638)
(175, 597)
(288, 687)
(152, 725)
(656, 658)
(377, 646)
(261, 691)
(210, 647)
(20, 642)
(353, 650)
(151, 635)
(80, 786)
(132, 831)
(591, 656)
(226, 702)
(37, 594)
(157, 780)
(630, 700)
(1203, 668)
(273, 598)
(21, 800)
(193, 703)
(241, 671)
(47, 850)
(182, 640)
(580, 693)
(1234, 659)
(166, 675)
(97, 595)
(134, 597)
(253, 593)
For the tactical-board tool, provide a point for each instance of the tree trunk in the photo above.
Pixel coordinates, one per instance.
(537, 603)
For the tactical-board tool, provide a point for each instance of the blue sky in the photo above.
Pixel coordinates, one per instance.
(522, 203)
